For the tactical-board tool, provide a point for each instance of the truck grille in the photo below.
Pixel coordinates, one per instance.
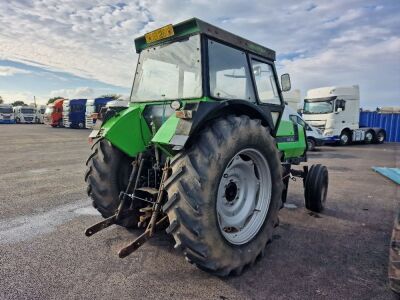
(66, 121)
(29, 119)
(89, 122)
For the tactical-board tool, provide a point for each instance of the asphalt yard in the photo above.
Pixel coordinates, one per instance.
(44, 254)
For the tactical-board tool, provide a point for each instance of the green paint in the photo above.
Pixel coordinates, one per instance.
(166, 131)
(128, 131)
(291, 149)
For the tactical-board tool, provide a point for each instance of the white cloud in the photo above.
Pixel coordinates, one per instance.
(81, 92)
(11, 71)
(333, 41)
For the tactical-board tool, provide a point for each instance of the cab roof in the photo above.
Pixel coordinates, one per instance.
(197, 26)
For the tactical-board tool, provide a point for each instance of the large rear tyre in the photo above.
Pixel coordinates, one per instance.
(316, 188)
(224, 195)
(107, 174)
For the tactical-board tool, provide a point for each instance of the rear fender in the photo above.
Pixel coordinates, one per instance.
(127, 131)
(177, 133)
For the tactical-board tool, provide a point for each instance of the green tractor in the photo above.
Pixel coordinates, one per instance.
(204, 148)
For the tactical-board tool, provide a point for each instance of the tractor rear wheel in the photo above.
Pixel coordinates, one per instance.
(224, 195)
(107, 174)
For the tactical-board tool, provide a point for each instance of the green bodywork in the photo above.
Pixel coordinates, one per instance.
(129, 132)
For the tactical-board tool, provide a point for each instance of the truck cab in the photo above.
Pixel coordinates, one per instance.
(53, 114)
(6, 114)
(93, 107)
(74, 113)
(25, 114)
(40, 110)
(335, 110)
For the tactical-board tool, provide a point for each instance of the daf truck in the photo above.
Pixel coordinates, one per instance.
(6, 114)
(93, 107)
(40, 110)
(74, 113)
(53, 114)
(335, 111)
(25, 114)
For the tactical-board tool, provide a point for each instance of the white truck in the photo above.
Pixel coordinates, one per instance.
(6, 114)
(335, 111)
(25, 114)
(40, 109)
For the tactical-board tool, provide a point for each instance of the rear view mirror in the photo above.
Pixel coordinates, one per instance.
(285, 82)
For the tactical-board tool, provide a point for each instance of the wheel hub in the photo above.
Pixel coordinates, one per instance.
(243, 196)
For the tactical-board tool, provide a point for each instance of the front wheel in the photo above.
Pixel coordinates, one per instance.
(311, 144)
(345, 138)
(316, 188)
(224, 195)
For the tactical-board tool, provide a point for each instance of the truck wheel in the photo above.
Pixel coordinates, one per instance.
(316, 188)
(345, 138)
(107, 174)
(369, 137)
(17, 120)
(81, 125)
(380, 137)
(311, 144)
(224, 195)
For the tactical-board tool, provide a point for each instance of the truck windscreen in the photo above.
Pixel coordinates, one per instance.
(318, 107)
(27, 110)
(6, 110)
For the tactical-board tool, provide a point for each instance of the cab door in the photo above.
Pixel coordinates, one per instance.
(268, 92)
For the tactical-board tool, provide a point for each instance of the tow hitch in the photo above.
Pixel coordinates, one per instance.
(153, 215)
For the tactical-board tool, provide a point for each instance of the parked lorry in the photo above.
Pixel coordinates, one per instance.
(25, 114)
(40, 110)
(6, 114)
(74, 113)
(203, 146)
(93, 107)
(54, 113)
(335, 110)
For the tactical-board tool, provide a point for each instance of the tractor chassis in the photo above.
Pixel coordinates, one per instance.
(152, 215)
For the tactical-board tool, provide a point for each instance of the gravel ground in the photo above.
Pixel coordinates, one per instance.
(340, 254)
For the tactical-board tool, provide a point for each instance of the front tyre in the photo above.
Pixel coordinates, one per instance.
(224, 195)
(345, 138)
(107, 174)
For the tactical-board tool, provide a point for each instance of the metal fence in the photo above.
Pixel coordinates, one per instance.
(390, 122)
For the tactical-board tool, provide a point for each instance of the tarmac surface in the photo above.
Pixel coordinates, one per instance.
(44, 254)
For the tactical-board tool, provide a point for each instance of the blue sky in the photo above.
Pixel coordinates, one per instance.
(85, 48)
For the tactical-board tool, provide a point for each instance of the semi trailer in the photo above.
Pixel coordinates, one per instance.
(54, 113)
(93, 107)
(25, 114)
(6, 114)
(74, 113)
(335, 111)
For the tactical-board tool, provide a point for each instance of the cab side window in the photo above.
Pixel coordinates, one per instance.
(265, 82)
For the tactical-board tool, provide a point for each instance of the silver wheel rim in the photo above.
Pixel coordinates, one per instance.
(344, 138)
(244, 196)
(380, 137)
(368, 136)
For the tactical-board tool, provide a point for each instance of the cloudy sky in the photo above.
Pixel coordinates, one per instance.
(77, 48)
